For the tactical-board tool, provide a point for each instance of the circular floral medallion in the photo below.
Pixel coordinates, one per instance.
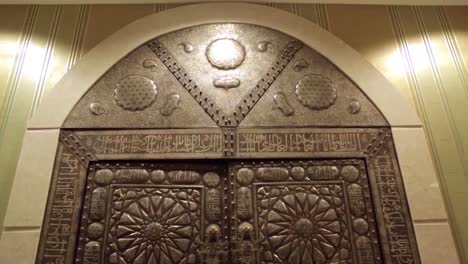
(316, 92)
(135, 93)
(225, 53)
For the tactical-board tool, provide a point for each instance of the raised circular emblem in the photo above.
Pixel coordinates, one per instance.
(135, 93)
(316, 92)
(225, 53)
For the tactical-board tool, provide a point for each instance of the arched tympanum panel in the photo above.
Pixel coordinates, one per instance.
(226, 143)
(225, 75)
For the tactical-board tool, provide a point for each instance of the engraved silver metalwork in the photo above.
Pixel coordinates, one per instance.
(281, 102)
(187, 46)
(252, 81)
(264, 45)
(316, 92)
(249, 100)
(131, 176)
(158, 176)
(96, 108)
(350, 173)
(300, 65)
(245, 247)
(213, 248)
(211, 179)
(150, 64)
(297, 173)
(245, 184)
(172, 102)
(226, 83)
(104, 176)
(354, 106)
(225, 54)
(183, 177)
(245, 176)
(155, 220)
(135, 93)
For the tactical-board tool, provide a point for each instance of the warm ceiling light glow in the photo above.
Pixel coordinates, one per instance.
(7, 53)
(418, 61)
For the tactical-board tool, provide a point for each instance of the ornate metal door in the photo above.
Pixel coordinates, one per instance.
(152, 213)
(303, 211)
(226, 143)
(285, 211)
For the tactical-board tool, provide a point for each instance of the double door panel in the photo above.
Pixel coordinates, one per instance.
(279, 211)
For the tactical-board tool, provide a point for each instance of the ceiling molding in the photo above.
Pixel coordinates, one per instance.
(363, 2)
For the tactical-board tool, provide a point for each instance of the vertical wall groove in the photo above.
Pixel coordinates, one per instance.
(13, 80)
(295, 9)
(51, 40)
(420, 105)
(454, 48)
(440, 86)
(322, 16)
(441, 90)
(78, 36)
(159, 8)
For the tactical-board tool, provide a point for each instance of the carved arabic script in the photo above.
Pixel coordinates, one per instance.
(392, 208)
(60, 218)
(155, 143)
(299, 142)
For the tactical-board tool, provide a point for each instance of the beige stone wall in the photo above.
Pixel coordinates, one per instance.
(419, 49)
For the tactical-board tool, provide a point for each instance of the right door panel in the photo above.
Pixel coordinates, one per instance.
(303, 211)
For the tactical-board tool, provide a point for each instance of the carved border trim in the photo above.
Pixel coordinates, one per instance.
(76, 146)
(60, 226)
(391, 205)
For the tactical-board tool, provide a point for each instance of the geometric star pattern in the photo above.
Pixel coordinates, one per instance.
(303, 224)
(154, 225)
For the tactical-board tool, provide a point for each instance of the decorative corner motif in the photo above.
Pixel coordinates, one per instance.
(74, 144)
(377, 143)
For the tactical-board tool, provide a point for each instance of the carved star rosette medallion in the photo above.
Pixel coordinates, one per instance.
(303, 224)
(150, 225)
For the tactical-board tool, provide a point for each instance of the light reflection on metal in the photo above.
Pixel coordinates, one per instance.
(225, 54)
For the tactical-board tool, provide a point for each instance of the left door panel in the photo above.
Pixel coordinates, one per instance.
(153, 212)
